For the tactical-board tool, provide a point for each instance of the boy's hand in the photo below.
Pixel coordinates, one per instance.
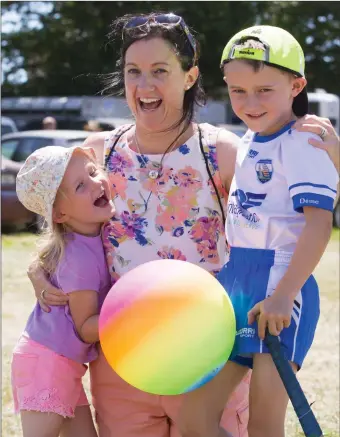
(273, 312)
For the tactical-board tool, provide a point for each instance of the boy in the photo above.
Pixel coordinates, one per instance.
(278, 226)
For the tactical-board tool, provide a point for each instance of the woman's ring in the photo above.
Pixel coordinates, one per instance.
(323, 133)
(42, 294)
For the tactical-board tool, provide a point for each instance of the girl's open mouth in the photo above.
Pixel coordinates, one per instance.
(101, 201)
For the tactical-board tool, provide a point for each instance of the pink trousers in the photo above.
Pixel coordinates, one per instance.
(123, 411)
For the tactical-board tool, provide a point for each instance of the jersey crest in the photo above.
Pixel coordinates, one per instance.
(264, 170)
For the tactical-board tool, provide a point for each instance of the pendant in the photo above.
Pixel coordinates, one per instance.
(153, 174)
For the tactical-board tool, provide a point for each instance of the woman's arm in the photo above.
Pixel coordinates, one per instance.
(84, 311)
(226, 150)
(45, 292)
(275, 311)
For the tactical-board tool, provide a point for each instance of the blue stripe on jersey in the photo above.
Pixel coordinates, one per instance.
(312, 185)
(311, 199)
(265, 138)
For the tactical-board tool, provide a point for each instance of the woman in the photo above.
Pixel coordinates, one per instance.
(169, 178)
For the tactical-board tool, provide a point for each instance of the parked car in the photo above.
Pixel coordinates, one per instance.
(7, 126)
(15, 149)
(19, 145)
(13, 213)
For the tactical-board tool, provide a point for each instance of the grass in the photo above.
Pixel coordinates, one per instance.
(336, 235)
(319, 376)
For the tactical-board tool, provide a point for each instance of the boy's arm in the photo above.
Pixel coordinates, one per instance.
(84, 311)
(312, 182)
(308, 252)
(275, 311)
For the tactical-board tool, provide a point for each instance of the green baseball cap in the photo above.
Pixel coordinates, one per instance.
(281, 50)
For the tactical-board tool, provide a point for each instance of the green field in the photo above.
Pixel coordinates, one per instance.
(319, 376)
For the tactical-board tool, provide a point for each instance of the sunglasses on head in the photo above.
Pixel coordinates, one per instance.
(164, 19)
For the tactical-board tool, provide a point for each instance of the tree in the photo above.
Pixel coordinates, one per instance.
(66, 51)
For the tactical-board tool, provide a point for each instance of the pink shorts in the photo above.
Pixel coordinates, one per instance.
(44, 381)
(124, 411)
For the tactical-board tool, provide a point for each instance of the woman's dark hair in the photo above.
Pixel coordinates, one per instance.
(173, 34)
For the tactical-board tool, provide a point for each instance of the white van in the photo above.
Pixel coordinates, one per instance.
(325, 105)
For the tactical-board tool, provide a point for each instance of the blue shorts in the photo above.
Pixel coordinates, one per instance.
(250, 276)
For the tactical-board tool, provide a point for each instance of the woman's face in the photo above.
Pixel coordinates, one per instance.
(155, 83)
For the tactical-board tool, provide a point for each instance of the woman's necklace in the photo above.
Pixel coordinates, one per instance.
(153, 173)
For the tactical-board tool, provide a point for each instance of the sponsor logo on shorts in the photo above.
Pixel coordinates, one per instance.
(246, 332)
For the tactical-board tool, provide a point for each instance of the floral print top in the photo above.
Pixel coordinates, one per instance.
(175, 216)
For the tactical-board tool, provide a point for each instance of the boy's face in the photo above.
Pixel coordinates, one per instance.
(263, 99)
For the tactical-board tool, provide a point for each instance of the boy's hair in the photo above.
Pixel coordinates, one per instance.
(273, 46)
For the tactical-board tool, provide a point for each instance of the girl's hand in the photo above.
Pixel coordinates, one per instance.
(330, 141)
(273, 312)
(45, 292)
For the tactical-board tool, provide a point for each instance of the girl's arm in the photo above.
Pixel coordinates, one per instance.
(275, 311)
(84, 311)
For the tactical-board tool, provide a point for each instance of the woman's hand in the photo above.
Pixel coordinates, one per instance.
(273, 312)
(330, 141)
(45, 292)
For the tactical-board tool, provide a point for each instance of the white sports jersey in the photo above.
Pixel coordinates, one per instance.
(275, 177)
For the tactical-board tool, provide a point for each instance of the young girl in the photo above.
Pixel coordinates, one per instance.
(65, 186)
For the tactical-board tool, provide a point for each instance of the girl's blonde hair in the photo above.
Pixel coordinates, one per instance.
(51, 248)
(53, 240)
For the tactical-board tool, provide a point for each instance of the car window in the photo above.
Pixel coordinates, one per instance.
(6, 129)
(28, 146)
(8, 147)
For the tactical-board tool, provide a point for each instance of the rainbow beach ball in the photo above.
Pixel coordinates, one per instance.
(167, 327)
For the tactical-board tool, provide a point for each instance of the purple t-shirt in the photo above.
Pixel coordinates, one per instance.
(83, 267)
